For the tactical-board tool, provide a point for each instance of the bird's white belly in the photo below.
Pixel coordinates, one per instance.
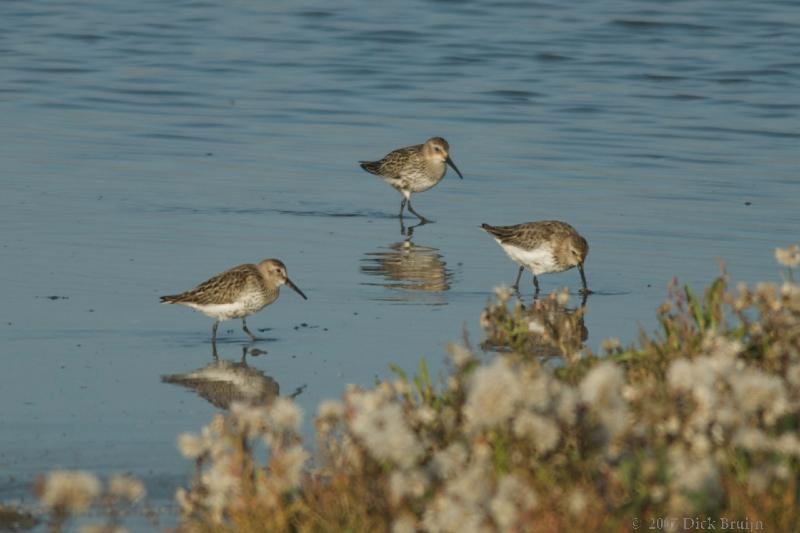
(540, 260)
(237, 309)
(424, 185)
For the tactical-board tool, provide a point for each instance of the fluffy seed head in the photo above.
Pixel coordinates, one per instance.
(69, 491)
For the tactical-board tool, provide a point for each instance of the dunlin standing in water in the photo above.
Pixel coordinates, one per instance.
(414, 169)
(544, 247)
(237, 293)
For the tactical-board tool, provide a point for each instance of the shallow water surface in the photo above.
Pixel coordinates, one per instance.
(146, 146)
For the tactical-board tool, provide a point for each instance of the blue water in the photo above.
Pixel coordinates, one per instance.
(145, 146)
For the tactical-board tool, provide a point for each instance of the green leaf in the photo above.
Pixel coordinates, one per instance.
(399, 372)
(694, 307)
(423, 382)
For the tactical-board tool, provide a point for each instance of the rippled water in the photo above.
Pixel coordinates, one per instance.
(146, 146)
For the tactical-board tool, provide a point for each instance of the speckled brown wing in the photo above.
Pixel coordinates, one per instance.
(530, 234)
(391, 166)
(224, 288)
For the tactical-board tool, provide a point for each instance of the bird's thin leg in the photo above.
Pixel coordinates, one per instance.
(584, 296)
(244, 355)
(410, 229)
(535, 284)
(402, 205)
(244, 327)
(420, 217)
(515, 286)
(214, 349)
(585, 289)
(214, 332)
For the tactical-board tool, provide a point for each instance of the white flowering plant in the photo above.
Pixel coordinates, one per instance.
(66, 494)
(536, 433)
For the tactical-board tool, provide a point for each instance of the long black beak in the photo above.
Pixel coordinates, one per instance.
(298, 291)
(450, 162)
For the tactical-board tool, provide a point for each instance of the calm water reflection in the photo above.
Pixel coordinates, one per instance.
(146, 144)
(554, 329)
(413, 273)
(223, 382)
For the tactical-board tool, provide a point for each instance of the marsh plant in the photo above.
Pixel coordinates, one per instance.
(67, 494)
(698, 420)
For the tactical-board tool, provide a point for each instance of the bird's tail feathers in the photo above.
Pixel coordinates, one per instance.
(501, 233)
(497, 231)
(373, 167)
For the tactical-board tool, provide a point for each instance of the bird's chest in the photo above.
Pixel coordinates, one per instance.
(541, 260)
(423, 176)
(250, 302)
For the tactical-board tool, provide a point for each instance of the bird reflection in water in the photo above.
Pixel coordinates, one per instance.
(553, 328)
(223, 382)
(412, 272)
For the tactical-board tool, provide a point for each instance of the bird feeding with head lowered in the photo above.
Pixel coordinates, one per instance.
(237, 293)
(544, 247)
(414, 169)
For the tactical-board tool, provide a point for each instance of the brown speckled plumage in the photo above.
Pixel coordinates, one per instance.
(414, 168)
(228, 287)
(404, 169)
(236, 293)
(546, 246)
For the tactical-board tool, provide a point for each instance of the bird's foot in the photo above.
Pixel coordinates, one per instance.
(250, 334)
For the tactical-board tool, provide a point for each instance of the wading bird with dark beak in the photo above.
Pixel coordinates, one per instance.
(414, 169)
(544, 247)
(237, 293)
